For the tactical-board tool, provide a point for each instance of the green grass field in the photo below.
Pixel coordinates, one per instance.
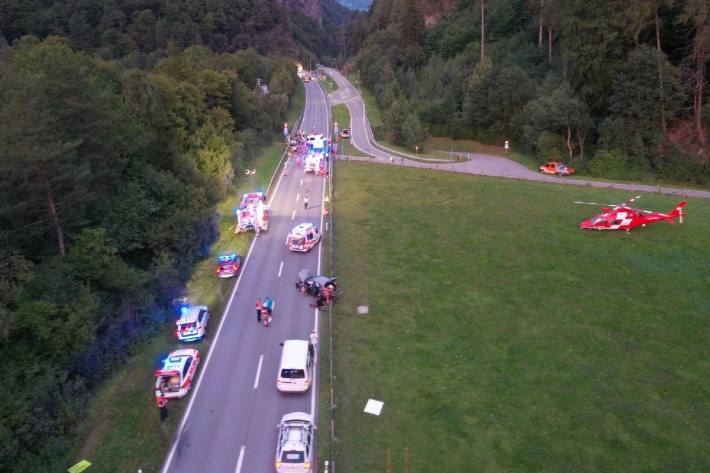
(122, 431)
(502, 338)
(341, 115)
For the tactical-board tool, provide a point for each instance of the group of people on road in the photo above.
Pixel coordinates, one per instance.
(264, 310)
(323, 297)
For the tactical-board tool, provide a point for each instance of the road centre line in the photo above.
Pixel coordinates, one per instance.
(281, 267)
(258, 372)
(293, 214)
(301, 182)
(241, 459)
(298, 197)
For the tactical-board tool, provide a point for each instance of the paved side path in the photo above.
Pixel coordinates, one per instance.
(479, 164)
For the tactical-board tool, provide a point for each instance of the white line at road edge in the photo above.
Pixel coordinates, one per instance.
(186, 414)
(258, 372)
(281, 267)
(207, 360)
(241, 459)
(320, 254)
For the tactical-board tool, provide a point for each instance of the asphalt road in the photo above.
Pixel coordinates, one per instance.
(229, 425)
(479, 164)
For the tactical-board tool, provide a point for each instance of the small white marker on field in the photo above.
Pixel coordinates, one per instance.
(374, 407)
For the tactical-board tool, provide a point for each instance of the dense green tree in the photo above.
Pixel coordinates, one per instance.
(640, 103)
(53, 128)
(559, 111)
(110, 178)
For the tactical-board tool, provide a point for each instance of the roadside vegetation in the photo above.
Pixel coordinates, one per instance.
(500, 335)
(617, 89)
(111, 179)
(123, 431)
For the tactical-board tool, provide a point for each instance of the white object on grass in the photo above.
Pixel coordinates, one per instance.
(374, 407)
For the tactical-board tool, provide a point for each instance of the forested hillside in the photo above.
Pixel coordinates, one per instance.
(616, 87)
(110, 175)
(139, 31)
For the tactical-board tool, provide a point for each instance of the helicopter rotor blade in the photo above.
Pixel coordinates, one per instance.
(629, 201)
(593, 203)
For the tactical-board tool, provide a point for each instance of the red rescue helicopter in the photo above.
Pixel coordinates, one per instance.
(623, 217)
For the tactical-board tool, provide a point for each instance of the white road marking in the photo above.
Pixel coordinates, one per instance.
(301, 182)
(315, 312)
(258, 372)
(298, 197)
(281, 267)
(241, 459)
(293, 214)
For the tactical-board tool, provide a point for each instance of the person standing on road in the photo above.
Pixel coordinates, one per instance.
(305, 201)
(314, 345)
(314, 338)
(258, 310)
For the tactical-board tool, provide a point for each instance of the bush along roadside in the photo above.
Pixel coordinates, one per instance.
(121, 428)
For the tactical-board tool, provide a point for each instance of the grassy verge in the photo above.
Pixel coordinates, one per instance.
(373, 111)
(122, 431)
(341, 116)
(329, 85)
(325, 383)
(502, 338)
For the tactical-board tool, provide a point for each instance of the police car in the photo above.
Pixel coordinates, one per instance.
(174, 380)
(294, 448)
(192, 324)
(228, 265)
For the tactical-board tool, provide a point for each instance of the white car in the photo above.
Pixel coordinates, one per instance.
(294, 448)
(175, 378)
(192, 324)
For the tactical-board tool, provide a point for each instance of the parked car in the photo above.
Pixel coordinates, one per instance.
(192, 324)
(294, 447)
(228, 265)
(556, 168)
(175, 378)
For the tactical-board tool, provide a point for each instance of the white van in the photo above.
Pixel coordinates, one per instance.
(296, 367)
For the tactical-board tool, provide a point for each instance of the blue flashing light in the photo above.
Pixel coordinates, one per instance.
(184, 308)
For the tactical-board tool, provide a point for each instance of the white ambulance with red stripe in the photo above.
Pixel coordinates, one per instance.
(174, 380)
